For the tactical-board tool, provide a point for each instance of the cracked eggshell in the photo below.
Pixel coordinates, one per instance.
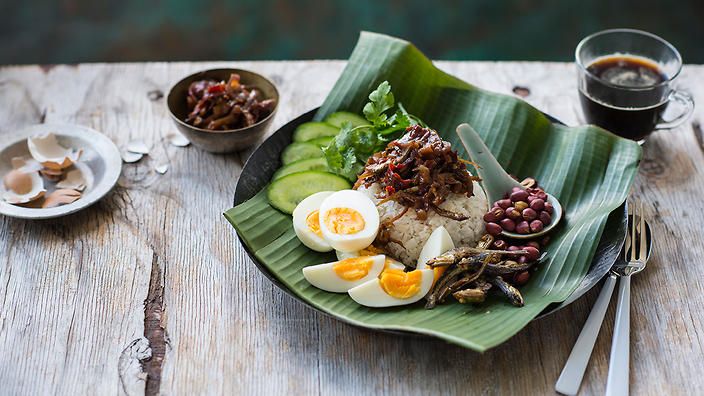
(60, 197)
(73, 180)
(177, 139)
(47, 150)
(138, 147)
(130, 157)
(21, 187)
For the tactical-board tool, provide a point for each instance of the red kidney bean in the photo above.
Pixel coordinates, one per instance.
(533, 244)
(544, 242)
(537, 204)
(532, 253)
(489, 216)
(513, 248)
(548, 207)
(503, 203)
(519, 195)
(523, 227)
(521, 278)
(545, 217)
(522, 260)
(529, 214)
(500, 244)
(542, 195)
(508, 224)
(493, 228)
(536, 226)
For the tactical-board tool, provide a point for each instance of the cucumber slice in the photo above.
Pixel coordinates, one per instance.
(310, 164)
(312, 130)
(321, 141)
(338, 118)
(300, 150)
(285, 193)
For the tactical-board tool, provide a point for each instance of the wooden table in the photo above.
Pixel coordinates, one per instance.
(155, 263)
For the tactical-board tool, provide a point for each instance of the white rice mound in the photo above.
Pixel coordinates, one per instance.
(413, 232)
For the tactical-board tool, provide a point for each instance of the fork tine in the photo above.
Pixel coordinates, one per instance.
(633, 232)
(643, 238)
(627, 242)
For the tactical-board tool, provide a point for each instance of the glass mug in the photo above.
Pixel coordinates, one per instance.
(625, 80)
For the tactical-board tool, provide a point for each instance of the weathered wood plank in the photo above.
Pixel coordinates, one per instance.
(73, 289)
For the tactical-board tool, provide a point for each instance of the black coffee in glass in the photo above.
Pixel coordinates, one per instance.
(630, 115)
(625, 82)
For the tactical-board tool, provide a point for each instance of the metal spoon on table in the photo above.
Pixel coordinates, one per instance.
(573, 372)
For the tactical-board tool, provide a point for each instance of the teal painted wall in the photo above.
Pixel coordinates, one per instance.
(67, 31)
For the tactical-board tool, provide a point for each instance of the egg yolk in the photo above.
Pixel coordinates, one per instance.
(344, 221)
(371, 251)
(437, 272)
(353, 268)
(313, 222)
(400, 284)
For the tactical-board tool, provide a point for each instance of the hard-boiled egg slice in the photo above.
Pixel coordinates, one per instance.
(394, 287)
(389, 263)
(367, 251)
(306, 222)
(349, 220)
(340, 276)
(438, 243)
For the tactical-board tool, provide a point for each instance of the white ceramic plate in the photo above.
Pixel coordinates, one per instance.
(99, 153)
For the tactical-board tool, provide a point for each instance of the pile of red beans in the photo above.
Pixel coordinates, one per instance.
(523, 211)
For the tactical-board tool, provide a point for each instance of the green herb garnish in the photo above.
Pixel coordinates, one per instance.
(349, 151)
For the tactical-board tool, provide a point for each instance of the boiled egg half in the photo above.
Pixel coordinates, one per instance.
(340, 276)
(306, 222)
(394, 287)
(349, 220)
(438, 243)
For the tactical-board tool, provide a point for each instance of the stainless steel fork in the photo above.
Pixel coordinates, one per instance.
(573, 372)
(636, 258)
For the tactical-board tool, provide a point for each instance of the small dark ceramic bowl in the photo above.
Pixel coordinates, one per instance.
(224, 141)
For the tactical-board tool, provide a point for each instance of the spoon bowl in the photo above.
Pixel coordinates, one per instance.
(496, 181)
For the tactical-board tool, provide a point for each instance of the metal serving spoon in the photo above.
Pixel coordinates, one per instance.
(496, 181)
(573, 372)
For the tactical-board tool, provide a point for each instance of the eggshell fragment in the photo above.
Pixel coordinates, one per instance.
(162, 168)
(130, 157)
(74, 180)
(177, 139)
(22, 187)
(52, 174)
(138, 147)
(47, 150)
(60, 197)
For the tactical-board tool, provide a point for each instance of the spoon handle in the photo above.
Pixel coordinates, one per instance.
(573, 372)
(495, 180)
(617, 382)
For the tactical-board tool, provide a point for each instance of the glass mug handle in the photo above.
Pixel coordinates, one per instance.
(685, 103)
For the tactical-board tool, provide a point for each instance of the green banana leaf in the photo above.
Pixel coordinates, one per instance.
(587, 168)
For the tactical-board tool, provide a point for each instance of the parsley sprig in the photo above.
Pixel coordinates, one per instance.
(349, 151)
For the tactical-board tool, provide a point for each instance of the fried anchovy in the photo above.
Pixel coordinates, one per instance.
(456, 254)
(511, 292)
(470, 296)
(449, 214)
(507, 267)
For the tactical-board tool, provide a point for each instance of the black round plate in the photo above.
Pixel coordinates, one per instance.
(265, 161)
